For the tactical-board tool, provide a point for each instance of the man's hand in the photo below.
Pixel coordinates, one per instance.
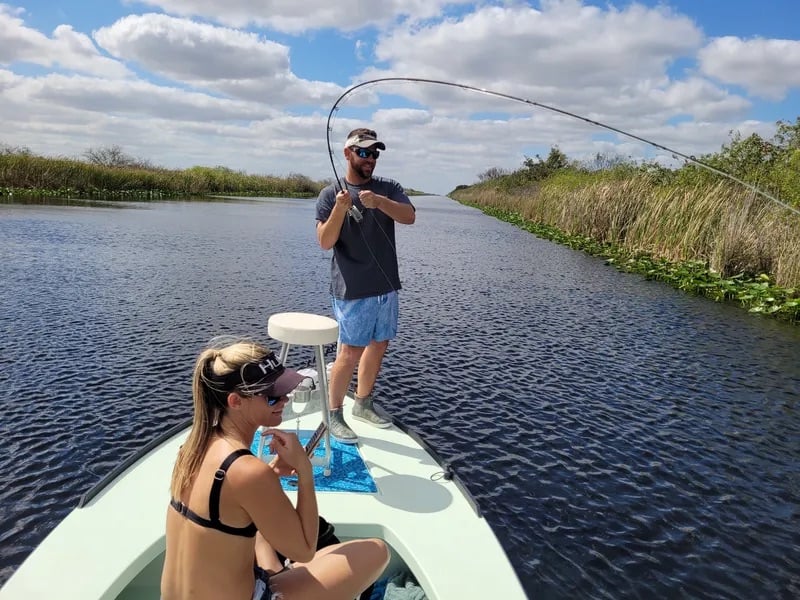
(343, 200)
(370, 199)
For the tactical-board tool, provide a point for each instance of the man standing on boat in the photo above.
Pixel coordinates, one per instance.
(356, 217)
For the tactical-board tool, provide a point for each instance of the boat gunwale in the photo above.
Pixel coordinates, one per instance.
(114, 474)
(448, 472)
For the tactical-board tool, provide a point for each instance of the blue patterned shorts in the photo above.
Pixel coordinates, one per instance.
(366, 319)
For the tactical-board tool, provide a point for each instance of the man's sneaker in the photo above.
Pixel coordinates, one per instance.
(363, 411)
(341, 430)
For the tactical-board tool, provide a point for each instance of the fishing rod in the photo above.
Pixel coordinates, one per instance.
(463, 86)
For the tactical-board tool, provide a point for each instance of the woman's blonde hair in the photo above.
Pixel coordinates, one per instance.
(210, 399)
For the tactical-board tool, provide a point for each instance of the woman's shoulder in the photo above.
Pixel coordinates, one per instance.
(233, 465)
(248, 469)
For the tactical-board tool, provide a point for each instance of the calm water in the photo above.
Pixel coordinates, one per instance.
(624, 440)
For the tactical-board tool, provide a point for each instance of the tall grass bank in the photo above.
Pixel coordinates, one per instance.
(708, 238)
(109, 174)
(691, 227)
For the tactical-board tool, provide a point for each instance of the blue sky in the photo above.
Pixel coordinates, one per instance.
(249, 85)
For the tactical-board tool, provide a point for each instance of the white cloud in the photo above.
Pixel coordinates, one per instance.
(700, 98)
(135, 98)
(766, 68)
(67, 48)
(609, 64)
(218, 59)
(297, 16)
(566, 45)
(184, 49)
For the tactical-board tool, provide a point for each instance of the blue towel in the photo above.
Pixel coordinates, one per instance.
(349, 473)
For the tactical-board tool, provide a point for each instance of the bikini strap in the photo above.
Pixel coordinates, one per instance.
(219, 477)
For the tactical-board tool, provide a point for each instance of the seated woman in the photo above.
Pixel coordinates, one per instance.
(229, 515)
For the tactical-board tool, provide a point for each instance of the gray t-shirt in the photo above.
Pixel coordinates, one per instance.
(364, 261)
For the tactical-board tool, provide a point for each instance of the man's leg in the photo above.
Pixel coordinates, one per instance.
(341, 374)
(370, 366)
(356, 319)
(368, 369)
(362, 323)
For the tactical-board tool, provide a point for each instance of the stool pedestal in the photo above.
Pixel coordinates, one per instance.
(307, 329)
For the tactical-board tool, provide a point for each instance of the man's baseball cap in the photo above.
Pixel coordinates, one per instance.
(364, 138)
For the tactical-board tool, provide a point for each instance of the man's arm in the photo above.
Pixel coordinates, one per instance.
(328, 231)
(401, 212)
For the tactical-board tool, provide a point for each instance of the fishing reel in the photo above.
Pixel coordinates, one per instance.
(353, 211)
(355, 214)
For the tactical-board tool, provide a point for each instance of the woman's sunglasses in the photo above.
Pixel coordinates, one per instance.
(271, 400)
(366, 153)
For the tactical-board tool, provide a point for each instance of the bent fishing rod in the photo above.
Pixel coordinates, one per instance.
(686, 157)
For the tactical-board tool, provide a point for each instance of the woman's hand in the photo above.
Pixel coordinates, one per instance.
(290, 456)
(280, 467)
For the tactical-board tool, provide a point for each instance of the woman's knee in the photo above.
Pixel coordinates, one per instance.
(367, 555)
(379, 552)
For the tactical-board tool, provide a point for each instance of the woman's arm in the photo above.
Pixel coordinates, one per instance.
(290, 530)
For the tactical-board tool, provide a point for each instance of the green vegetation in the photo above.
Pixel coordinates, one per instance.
(109, 173)
(689, 227)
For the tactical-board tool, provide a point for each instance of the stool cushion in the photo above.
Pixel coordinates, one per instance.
(302, 329)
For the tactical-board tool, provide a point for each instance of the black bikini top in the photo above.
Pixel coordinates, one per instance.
(213, 502)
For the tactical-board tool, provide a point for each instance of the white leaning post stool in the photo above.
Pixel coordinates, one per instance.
(307, 329)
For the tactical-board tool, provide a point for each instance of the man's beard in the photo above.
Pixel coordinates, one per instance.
(359, 169)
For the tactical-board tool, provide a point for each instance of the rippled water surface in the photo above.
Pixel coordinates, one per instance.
(623, 440)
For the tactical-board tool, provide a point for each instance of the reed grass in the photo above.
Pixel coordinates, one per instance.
(714, 238)
(24, 173)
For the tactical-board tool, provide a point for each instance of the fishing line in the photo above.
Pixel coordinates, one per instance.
(674, 153)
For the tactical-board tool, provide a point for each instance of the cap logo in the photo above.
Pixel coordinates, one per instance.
(268, 364)
(255, 377)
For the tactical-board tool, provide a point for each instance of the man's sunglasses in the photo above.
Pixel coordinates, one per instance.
(366, 153)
